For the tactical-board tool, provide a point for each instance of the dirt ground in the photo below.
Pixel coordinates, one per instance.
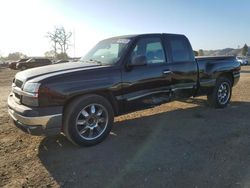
(179, 144)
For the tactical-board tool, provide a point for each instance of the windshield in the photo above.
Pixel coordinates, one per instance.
(107, 51)
(22, 60)
(31, 59)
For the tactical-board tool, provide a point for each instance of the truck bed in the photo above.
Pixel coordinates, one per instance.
(214, 58)
(210, 67)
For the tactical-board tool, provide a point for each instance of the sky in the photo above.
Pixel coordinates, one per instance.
(213, 24)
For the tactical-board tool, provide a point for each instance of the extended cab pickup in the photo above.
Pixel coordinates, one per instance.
(119, 75)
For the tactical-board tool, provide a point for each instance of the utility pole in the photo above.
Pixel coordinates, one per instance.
(74, 38)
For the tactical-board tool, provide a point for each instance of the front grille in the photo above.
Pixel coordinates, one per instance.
(18, 83)
(17, 96)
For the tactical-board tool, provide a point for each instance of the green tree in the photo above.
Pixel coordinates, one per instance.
(196, 53)
(63, 56)
(15, 56)
(200, 52)
(244, 50)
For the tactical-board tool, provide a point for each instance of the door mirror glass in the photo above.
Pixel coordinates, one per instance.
(140, 60)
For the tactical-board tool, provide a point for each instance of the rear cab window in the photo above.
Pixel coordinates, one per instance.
(180, 49)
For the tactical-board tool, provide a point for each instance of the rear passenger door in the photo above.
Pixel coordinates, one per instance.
(41, 62)
(47, 62)
(182, 65)
(31, 63)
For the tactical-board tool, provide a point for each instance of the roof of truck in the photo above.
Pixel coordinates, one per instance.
(145, 34)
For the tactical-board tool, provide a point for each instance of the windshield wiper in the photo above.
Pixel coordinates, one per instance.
(96, 61)
(91, 61)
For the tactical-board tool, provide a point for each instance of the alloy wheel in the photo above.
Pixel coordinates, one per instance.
(92, 121)
(223, 93)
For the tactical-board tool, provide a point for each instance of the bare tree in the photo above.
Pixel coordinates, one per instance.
(53, 36)
(64, 39)
(50, 54)
(60, 39)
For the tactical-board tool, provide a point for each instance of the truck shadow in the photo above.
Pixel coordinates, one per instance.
(191, 147)
(245, 71)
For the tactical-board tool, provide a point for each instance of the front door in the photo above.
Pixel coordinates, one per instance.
(149, 84)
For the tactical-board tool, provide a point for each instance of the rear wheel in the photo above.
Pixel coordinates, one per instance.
(88, 120)
(220, 95)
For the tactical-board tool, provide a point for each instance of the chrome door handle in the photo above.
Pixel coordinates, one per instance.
(167, 72)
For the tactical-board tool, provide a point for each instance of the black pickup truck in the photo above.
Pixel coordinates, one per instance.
(33, 62)
(119, 75)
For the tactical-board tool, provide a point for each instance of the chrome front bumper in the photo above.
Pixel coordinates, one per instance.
(35, 121)
(42, 120)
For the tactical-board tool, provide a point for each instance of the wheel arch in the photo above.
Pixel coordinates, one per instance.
(228, 75)
(105, 94)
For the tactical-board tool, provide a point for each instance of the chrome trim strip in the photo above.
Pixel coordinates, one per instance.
(40, 120)
(167, 72)
(19, 91)
(178, 88)
(174, 88)
(146, 94)
(236, 75)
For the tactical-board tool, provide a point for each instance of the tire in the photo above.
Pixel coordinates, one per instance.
(23, 68)
(88, 120)
(220, 95)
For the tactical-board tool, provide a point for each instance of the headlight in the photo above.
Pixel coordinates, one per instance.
(31, 87)
(30, 94)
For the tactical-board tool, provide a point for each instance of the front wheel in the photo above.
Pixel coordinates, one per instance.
(220, 95)
(23, 67)
(88, 120)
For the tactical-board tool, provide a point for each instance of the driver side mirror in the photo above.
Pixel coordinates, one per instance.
(140, 60)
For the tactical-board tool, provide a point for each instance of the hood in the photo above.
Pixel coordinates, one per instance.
(55, 69)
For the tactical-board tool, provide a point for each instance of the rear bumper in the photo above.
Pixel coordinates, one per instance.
(35, 121)
(236, 76)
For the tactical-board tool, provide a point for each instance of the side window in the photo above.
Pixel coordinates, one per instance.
(151, 48)
(180, 50)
